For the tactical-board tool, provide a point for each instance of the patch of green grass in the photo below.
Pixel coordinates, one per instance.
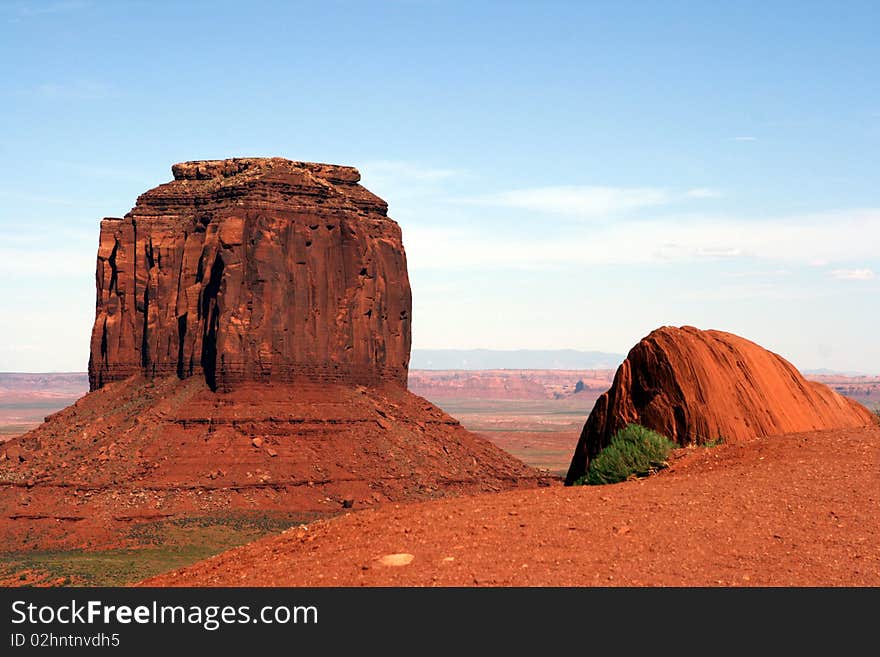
(104, 567)
(634, 451)
(710, 442)
(167, 544)
(219, 531)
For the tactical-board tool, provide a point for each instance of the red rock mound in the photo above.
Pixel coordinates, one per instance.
(697, 386)
(249, 353)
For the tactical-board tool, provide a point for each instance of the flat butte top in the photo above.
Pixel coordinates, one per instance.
(203, 183)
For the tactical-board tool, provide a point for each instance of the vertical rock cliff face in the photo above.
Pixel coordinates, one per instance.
(698, 386)
(253, 269)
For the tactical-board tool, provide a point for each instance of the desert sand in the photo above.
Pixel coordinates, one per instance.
(793, 510)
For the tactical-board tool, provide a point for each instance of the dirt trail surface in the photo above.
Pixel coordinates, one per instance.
(793, 510)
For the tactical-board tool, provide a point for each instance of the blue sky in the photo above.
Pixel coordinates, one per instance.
(567, 175)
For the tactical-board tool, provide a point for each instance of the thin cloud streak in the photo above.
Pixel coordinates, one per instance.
(74, 90)
(49, 263)
(574, 200)
(402, 179)
(588, 201)
(703, 192)
(853, 274)
(405, 171)
(398, 181)
(799, 240)
(45, 9)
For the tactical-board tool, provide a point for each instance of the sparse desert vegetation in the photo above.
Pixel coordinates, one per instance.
(160, 546)
(634, 451)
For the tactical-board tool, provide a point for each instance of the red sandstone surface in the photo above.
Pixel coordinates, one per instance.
(249, 353)
(700, 386)
(793, 510)
(253, 269)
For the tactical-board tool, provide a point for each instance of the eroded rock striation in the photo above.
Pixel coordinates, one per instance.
(249, 356)
(698, 386)
(253, 269)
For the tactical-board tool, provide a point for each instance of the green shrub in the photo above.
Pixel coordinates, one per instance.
(633, 451)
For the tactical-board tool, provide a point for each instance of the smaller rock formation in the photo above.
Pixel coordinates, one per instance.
(698, 386)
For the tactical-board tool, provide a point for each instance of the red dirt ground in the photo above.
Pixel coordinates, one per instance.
(794, 510)
(542, 432)
(546, 450)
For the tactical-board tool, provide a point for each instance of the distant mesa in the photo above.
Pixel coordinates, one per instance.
(508, 384)
(699, 386)
(249, 354)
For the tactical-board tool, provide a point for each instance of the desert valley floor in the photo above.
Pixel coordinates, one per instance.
(799, 509)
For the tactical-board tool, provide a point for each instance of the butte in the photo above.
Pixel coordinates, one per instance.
(697, 386)
(249, 355)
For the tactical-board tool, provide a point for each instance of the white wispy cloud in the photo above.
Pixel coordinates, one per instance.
(400, 170)
(745, 138)
(33, 9)
(769, 290)
(49, 262)
(49, 200)
(395, 180)
(399, 182)
(703, 192)
(586, 201)
(74, 90)
(35, 234)
(853, 274)
(795, 240)
(21, 348)
(98, 171)
(575, 200)
(761, 273)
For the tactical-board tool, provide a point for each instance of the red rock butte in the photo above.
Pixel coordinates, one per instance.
(700, 386)
(249, 354)
(253, 269)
